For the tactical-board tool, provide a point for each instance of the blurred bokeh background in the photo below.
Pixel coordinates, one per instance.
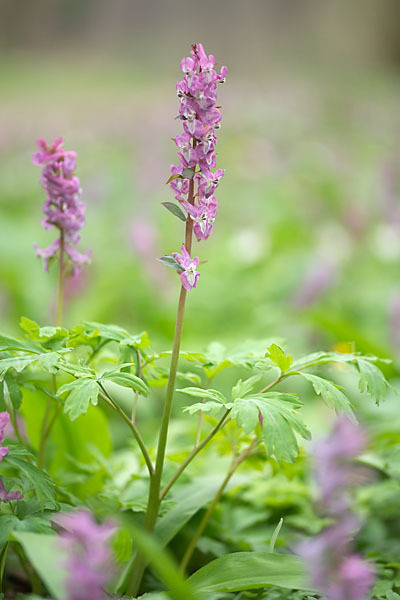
(307, 242)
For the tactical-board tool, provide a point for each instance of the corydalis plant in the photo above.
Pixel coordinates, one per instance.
(192, 180)
(63, 208)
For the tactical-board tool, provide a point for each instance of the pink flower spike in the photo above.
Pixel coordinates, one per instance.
(63, 207)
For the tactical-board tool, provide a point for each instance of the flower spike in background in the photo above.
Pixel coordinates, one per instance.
(63, 207)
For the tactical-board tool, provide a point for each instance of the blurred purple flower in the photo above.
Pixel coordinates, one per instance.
(394, 320)
(4, 421)
(319, 278)
(63, 207)
(8, 496)
(334, 569)
(334, 471)
(89, 560)
(189, 275)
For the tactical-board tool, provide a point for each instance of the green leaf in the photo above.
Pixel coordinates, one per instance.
(122, 545)
(19, 363)
(251, 570)
(277, 355)
(279, 421)
(331, 394)
(47, 556)
(190, 356)
(371, 380)
(201, 393)
(246, 414)
(3, 406)
(116, 334)
(390, 595)
(175, 210)
(14, 391)
(127, 380)
(206, 407)
(43, 334)
(10, 343)
(242, 388)
(40, 481)
(81, 393)
(47, 360)
(170, 261)
(175, 176)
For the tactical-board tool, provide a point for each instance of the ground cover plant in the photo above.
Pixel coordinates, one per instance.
(80, 520)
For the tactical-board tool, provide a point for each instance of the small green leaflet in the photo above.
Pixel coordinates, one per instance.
(170, 261)
(371, 380)
(242, 388)
(42, 334)
(206, 407)
(201, 393)
(277, 355)
(175, 210)
(14, 391)
(279, 421)
(81, 392)
(10, 343)
(331, 394)
(47, 360)
(175, 176)
(127, 380)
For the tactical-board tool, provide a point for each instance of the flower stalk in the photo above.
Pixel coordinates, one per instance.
(194, 184)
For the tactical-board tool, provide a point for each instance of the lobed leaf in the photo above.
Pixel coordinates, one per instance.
(242, 388)
(127, 380)
(215, 395)
(279, 421)
(277, 355)
(331, 393)
(81, 392)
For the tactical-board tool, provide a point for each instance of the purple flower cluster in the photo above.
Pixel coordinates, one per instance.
(189, 275)
(63, 207)
(335, 570)
(89, 561)
(193, 182)
(4, 450)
